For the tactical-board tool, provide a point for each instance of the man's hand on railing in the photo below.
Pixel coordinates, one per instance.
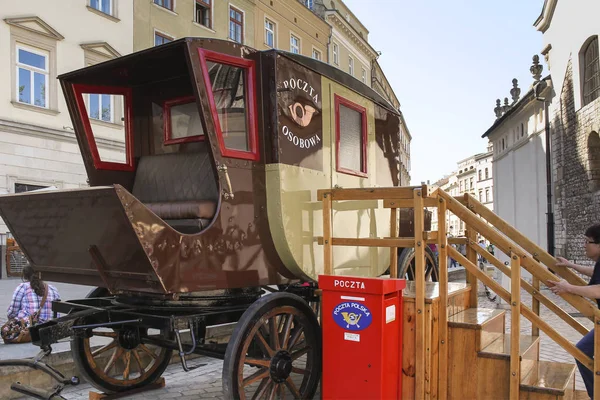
(563, 262)
(582, 269)
(559, 287)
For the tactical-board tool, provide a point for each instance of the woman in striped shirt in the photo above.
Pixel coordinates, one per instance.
(28, 295)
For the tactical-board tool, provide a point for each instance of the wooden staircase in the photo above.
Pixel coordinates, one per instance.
(479, 361)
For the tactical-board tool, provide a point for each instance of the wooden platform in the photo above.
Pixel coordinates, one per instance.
(160, 383)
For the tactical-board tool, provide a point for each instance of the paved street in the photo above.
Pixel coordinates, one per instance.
(205, 382)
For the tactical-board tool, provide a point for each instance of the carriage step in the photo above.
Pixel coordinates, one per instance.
(52, 394)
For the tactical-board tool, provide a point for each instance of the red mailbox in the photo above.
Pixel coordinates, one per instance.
(362, 337)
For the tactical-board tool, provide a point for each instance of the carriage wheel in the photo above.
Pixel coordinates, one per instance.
(406, 264)
(274, 351)
(123, 363)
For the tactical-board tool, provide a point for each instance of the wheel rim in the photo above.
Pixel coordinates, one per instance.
(431, 273)
(124, 361)
(277, 356)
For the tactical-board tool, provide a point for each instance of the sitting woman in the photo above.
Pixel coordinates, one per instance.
(28, 296)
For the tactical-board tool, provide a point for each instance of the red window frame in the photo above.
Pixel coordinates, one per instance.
(79, 90)
(167, 105)
(363, 111)
(250, 93)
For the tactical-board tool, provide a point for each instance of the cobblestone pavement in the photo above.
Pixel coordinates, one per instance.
(206, 383)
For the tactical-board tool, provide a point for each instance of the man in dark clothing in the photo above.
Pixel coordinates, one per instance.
(592, 291)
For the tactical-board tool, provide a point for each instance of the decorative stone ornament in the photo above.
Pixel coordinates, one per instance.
(515, 92)
(536, 69)
(498, 109)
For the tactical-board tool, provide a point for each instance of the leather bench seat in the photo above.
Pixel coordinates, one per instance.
(180, 188)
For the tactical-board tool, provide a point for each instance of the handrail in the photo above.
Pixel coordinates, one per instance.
(536, 251)
(507, 246)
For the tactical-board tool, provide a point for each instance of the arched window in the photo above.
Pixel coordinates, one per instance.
(591, 72)
(593, 145)
(486, 173)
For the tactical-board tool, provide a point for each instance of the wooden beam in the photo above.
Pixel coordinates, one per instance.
(458, 240)
(535, 293)
(419, 245)
(535, 305)
(369, 193)
(408, 203)
(472, 256)
(370, 242)
(506, 246)
(327, 249)
(515, 326)
(526, 311)
(536, 251)
(394, 250)
(443, 306)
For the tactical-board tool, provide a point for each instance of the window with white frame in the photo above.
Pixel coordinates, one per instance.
(364, 75)
(236, 25)
(168, 4)
(104, 6)
(269, 33)
(336, 54)
(309, 4)
(202, 11)
(101, 107)
(32, 76)
(316, 54)
(351, 66)
(160, 38)
(294, 44)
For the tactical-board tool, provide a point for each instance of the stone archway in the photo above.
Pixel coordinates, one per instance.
(593, 153)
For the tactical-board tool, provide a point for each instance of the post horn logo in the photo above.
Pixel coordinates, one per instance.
(304, 117)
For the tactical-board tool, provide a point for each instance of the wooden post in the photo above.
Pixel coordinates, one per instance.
(596, 358)
(443, 306)
(393, 250)
(419, 294)
(535, 305)
(515, 325)
(472, 256)
(327, 245)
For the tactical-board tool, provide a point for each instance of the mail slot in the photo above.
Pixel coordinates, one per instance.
(362, 337)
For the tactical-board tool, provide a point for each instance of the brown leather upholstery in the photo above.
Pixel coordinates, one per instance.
(184, 209)
(180, 188)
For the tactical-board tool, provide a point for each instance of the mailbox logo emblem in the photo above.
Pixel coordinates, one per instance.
(352, 316)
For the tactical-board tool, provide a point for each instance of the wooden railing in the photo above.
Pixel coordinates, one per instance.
(479, 220)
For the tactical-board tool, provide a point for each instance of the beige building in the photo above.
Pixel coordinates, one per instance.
(38, 42)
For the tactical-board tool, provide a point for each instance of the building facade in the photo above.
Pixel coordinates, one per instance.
(520, 159)
(38, 148)
(571, 47)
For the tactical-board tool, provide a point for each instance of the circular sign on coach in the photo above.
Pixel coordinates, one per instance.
(352, 316)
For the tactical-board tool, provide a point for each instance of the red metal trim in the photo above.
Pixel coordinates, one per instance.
(347, 103)
(167, 105)
(79, 90)
(250, 92)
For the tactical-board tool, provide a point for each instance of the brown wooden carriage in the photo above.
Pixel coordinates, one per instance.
(212, 202)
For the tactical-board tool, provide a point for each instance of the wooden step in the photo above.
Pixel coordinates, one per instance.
(548, 380)
(500, 348)
(488, 324)
(476, 318)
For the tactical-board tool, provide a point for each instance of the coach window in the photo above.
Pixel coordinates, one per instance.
(182, 122)
(351, 137)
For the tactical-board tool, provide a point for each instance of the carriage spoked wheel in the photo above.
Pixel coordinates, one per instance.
(406, 264)
(274, 351)
(122, 362)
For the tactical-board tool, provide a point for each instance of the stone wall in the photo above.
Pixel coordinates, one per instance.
(576, 169)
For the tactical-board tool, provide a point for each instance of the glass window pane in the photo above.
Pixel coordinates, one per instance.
(95, 4)
(107, 108)
(24, 86)
(106, 6)
(39, 89)
(185, 121)
(351, 139)
(32, 59)
(228, 86)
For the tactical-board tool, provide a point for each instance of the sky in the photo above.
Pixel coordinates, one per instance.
(448, 62)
